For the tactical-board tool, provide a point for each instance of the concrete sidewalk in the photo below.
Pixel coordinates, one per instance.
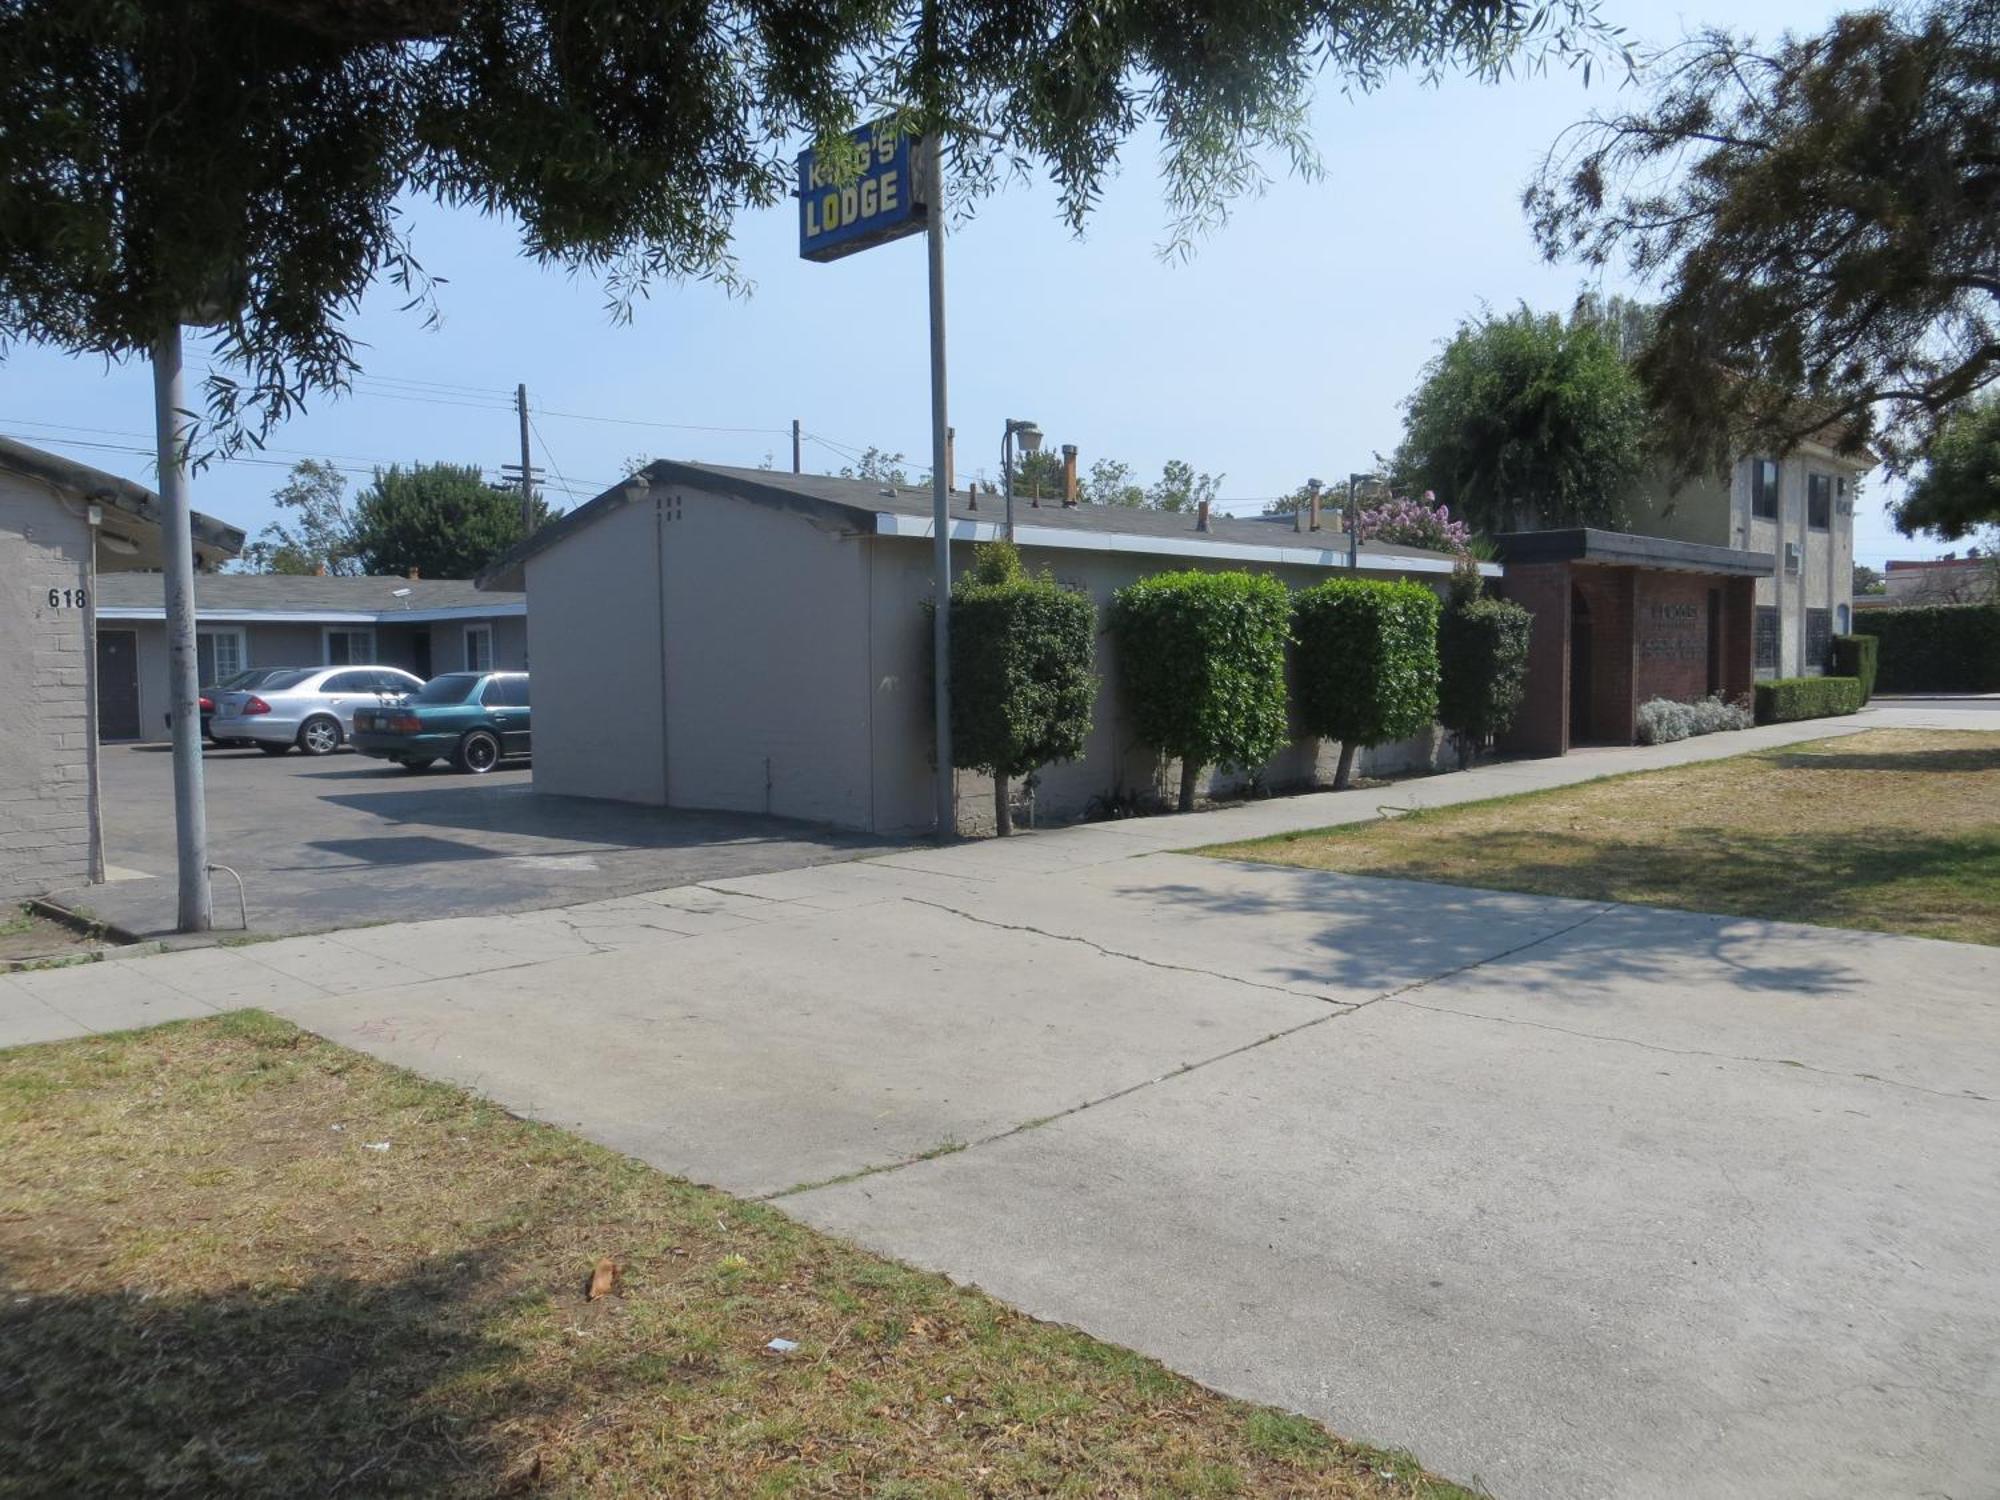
(1568, 1198)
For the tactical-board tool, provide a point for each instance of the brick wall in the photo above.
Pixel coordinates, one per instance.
(1542, 727)
(45, 684)
(1609, 594)
(1670, 641)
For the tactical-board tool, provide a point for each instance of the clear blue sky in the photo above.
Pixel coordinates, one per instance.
(1282, 350)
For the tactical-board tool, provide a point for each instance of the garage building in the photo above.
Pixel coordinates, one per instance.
(61, 524)
(740, 639)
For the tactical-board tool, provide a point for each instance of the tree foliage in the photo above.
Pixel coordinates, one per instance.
(314, 533)
(441, 519)
(1366, 666)
(1482, 665)
(1180, 488)
(878, 466)
(1023, 677)
(1113, 483)
(1959, 489)
(1526, 420)
(1823, 217)
(1201, 661)
(246, 164)
(1038, 475)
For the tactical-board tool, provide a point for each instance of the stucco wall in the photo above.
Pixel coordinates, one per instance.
(768, 697)
(1825, 577)
(594, 631)
(1114, 766)
(45, 683)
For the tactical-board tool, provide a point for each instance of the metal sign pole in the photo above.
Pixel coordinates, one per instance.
(947, 807)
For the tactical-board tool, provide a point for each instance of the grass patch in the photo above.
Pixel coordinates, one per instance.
(26, 935)
(1887, 831)
(237, 1259)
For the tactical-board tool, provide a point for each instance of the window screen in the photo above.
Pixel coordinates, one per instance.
(1819, 501)
(1819, 637)
(1767, 637)
(1764, 488)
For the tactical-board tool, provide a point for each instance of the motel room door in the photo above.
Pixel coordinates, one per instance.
(117, 685)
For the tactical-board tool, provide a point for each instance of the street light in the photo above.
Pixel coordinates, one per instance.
(1030, 437)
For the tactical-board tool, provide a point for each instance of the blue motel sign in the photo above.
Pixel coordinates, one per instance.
(879, 205)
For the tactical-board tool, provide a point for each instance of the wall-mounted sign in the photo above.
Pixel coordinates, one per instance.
(879, 205)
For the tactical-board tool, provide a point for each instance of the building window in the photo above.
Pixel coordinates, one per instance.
(1766, 627)
(1819, 638)
(219, 655)
(1819, 501)
(1764, 488)
(479, 648)
(347, 647)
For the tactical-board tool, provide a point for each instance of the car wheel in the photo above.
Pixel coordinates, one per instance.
(418, 763)
(319, 735)
(478, 753)
(270, 749)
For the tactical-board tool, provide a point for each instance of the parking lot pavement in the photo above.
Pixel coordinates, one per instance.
(344, 841)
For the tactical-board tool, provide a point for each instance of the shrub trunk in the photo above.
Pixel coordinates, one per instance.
(1190, 773)
(1003, 808)
(1344, 772)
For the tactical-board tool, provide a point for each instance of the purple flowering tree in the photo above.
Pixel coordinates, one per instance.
(1414, 523)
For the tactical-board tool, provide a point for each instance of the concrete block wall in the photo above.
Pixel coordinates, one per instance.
(45, 683)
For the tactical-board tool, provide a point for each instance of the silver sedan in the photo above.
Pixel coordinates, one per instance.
(311, 707)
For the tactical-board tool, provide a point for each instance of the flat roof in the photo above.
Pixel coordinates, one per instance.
(249, 598)
(132, 511)
(905, 511)
(1588, 544)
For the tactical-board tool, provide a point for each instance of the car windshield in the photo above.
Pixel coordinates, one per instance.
(279, 681)
(453, 687)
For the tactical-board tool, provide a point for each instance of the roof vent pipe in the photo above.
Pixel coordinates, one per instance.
(1069, 476)
(1201, 516)
(1312, 490)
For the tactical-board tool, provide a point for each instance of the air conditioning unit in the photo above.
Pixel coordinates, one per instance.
(1792, 557)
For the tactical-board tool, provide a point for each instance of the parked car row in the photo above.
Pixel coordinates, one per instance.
(475, 720)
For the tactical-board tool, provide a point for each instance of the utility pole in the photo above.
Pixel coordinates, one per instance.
(527, 464)
(797, 466)
(183, 670)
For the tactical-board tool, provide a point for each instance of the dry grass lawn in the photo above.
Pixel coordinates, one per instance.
(1892, 830)
(236, 1259)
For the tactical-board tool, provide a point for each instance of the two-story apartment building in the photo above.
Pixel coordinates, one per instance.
(1799, 509)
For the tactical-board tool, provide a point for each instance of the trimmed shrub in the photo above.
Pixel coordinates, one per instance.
(1482, 668)
(1201, 664)
(1940, 648)
(1790, 698)
(1662, 720)
(1022, 678)
(1855, 656)
(1366, 667)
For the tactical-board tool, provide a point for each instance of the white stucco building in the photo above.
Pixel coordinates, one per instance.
(741, 639)
(62, 524)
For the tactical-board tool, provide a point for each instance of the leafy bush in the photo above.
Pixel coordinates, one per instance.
(1367, 663)
(1855, 656)
(1022, 678)
(1482, 666)
(1662, 720)
(1941, 648)
(1414, 523)
(1790, 698)
(1201, 659)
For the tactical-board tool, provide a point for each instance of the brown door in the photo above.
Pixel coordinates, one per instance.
(117, 685)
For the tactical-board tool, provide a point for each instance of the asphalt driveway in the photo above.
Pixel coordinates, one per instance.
(346, 840)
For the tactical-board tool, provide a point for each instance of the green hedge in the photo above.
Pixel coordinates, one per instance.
(1941, 648)
(1366, 668)
(1022, 678)
(1482, 669)
(1790, 698)
(1201, 667)
(1856, 656)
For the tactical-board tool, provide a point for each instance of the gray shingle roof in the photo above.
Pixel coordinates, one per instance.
(214, 540)
(865, 499)
(288, 593)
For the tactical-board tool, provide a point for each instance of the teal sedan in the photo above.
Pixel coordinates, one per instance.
(475, 720)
